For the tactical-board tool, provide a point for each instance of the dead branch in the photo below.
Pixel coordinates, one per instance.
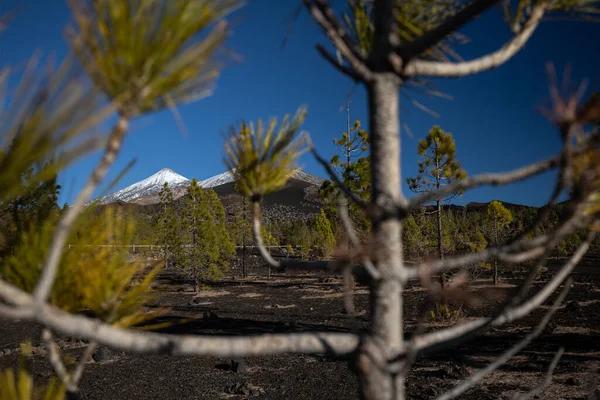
(113, 146)
(487, 62)
(325, 17)
(547, 380)
(476, 377)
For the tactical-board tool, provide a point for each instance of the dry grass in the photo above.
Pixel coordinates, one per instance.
(334, 294)
(212, 293)
(251, 295)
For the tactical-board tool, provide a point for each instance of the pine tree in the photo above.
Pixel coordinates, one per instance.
(353, 168)
(240, 228)
(438, 167)
(168, 231)
(324, 238)
(223, 240)
(497, 225)
(208, 246)
(412, 237)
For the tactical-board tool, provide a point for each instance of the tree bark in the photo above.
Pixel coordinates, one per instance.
(385, 340)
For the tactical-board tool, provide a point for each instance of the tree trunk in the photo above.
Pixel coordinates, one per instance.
(440, 244)
(385, 340)
(196, 280)
(496, 243)
(245, 216)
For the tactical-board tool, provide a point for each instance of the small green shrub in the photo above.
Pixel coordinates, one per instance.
(444, 312)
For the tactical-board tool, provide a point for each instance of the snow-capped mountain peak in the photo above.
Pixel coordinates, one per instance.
(162, 176)
(151, 185)
(217, 180)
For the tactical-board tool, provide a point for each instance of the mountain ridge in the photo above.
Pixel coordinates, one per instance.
(146, 191)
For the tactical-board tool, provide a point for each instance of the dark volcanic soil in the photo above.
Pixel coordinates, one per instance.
(300, 303)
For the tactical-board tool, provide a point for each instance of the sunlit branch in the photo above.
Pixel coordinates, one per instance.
(113, 146)
(196, 345)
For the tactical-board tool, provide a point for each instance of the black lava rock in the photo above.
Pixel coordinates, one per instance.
(238, 365)
(102, 354)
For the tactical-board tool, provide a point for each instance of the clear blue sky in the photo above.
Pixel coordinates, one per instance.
(492, 115)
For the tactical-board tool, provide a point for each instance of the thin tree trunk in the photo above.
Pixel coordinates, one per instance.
(440, 245)
(385, 341)
(348, 159)
(496, 243)
(245, 216)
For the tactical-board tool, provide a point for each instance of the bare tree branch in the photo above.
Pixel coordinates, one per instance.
(113, 146)
(340, 67)
(487, 62)
(547, 380)
(493, 179)
(482, 373)
(436, 35)
(76, 375)
(325, 17)
(197, 345)
(15, 312)
(54, 357)
(347, 224)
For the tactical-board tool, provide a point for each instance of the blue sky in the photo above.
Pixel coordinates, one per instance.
(492, 115)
